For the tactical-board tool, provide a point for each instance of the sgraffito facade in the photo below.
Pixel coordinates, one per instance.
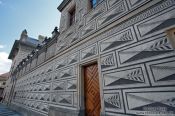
(129, 41)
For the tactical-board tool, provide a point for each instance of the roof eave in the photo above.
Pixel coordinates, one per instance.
(16, 43)
(63, 5)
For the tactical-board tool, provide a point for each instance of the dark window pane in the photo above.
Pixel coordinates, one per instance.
(3, 83)
(94, 3)
(72, 16)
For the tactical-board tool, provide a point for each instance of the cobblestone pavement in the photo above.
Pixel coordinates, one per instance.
(5, 111)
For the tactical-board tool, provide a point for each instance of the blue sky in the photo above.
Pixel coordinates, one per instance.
(39, 17)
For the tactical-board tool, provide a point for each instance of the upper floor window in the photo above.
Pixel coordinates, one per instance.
(72, 16)
(94, 3)
(3, 83)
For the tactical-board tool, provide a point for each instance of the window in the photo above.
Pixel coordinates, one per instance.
(171, 36)
(3, 83)
(14, 95)
(72, 16)
(94, 3)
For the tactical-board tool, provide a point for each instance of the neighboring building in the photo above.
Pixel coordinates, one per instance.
(110, 57)
(20, 50)
(3, 78)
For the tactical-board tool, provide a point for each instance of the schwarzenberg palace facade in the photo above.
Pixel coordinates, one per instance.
(109, 58)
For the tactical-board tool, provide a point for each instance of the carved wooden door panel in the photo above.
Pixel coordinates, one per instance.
(92, 90)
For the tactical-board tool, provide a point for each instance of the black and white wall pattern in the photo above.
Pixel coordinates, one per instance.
(136, 62)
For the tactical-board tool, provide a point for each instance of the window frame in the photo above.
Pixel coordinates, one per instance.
(72, 15)
(94, 3)
(171, 36)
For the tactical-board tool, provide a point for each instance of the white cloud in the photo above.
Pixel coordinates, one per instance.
(2, 46)
(5, 63)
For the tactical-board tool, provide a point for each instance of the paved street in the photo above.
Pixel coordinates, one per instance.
(5, 111)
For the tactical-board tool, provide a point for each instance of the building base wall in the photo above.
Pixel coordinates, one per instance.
(53, 111)
(24, 111)
(57, 111)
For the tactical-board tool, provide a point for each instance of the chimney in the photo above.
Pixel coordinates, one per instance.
(24, 35)
(41, 38)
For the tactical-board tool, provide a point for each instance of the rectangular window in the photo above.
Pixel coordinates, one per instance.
(72, 16)
(94, 3)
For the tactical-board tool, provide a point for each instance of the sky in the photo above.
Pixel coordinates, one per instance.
(38, 17)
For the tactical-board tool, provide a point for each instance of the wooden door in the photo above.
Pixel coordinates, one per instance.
(92, 90)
